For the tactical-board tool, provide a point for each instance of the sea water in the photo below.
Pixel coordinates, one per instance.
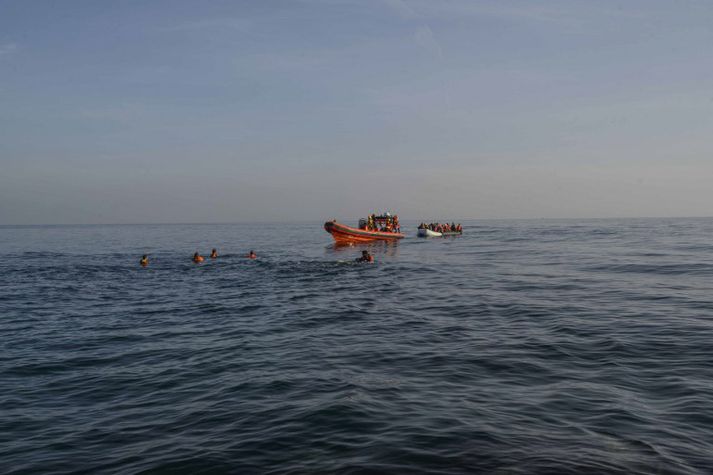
(572, 346)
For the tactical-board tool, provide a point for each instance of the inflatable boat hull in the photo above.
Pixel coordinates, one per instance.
(344, 234)
(422, 232)
(428, 233)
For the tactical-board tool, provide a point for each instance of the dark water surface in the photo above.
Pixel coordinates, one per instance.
(520, 347)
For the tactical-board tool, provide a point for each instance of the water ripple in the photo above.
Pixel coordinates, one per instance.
(520, 347)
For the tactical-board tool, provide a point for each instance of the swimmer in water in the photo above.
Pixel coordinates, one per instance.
(365, 257)
(197, 258)
(213, 254)
(144, 260)
(252, 255)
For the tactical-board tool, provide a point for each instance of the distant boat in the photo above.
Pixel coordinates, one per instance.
(425, 232)
(369, 230)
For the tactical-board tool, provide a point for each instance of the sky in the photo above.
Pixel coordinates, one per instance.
(230, 111)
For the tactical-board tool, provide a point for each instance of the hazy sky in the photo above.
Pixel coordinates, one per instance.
(213, 111)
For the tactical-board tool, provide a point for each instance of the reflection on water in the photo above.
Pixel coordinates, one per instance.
(387, 248)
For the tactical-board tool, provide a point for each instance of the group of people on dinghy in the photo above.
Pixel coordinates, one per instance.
(442, 228)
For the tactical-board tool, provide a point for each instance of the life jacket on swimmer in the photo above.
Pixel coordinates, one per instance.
(365, 257)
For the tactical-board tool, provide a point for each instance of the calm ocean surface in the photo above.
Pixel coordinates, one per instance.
(521, 347)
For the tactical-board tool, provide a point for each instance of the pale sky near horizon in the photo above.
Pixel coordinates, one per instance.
(224, 111)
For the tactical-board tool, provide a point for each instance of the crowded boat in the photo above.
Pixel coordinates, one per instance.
(384, 223)
(383, 227)
(438, 229)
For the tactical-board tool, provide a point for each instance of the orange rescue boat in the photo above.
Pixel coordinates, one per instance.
(375, 228)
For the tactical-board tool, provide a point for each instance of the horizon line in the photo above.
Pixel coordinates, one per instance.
(305, 221)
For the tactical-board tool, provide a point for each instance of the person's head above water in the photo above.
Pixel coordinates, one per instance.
(365, 257)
